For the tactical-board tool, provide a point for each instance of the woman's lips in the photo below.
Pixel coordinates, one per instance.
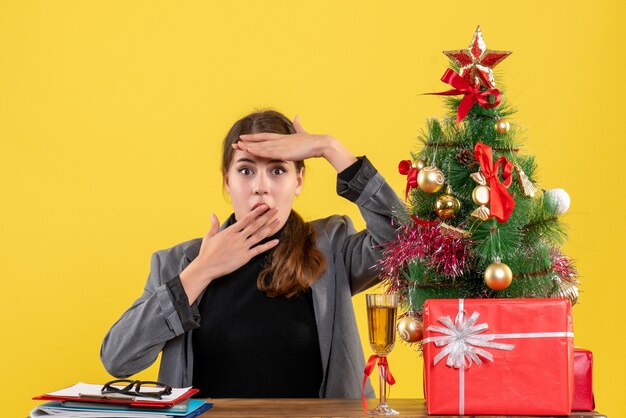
(258, 204)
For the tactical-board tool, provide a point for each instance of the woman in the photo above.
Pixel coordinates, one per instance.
(261, 306)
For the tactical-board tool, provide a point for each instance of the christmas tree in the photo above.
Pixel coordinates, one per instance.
(477, 224)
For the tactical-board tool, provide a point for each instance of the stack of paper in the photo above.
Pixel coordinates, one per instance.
(85, 400)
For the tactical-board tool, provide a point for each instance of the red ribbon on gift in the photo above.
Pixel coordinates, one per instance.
(472, 94)
(406, 168)
(501, 202)
(382, 362)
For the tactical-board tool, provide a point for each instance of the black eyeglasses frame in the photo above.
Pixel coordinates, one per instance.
(109, 388)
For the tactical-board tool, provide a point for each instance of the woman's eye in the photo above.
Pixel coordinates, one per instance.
(245, 171)
(278, 171)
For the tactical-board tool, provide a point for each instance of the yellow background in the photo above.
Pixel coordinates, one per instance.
(112, 113)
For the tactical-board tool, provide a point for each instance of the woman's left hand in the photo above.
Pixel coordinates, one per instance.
(296, 147)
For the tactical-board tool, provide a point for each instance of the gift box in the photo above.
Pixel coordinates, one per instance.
(583, 389)
(498, 356)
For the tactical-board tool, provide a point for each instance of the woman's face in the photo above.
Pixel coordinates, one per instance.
(251, 181)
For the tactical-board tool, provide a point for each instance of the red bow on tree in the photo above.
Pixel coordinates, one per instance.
(406, 168)
(369, 367)
(501, 202)
(422, 222)
(472, 94)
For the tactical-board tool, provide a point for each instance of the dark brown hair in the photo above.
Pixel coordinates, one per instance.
(295, 263)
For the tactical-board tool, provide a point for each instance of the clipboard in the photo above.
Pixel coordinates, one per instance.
(76, 396)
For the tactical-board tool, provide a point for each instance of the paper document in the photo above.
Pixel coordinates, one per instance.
(90, 389)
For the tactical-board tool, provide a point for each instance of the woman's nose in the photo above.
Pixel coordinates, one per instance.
(261, 184)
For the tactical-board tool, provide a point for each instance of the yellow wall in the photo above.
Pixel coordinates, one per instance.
(111, 114)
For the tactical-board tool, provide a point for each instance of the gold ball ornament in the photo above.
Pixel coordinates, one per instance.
(447, 206)
(419, 164)
(502, 126)
(430, 179)
(498, 276)
(411, 329)
(480, 195)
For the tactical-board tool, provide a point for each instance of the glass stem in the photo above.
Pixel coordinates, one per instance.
(382, 377)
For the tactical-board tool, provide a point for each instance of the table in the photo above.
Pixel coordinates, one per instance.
(240, 408)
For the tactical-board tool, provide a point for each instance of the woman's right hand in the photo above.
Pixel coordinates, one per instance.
(223, 252)
(297, 147)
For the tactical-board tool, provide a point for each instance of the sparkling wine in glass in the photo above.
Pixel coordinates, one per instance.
(381, 323)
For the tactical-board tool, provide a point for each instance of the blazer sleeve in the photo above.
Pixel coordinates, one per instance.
(136, 339)
(362, 250)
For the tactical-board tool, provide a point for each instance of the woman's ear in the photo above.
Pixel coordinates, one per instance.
(300, 180)
(226, 187)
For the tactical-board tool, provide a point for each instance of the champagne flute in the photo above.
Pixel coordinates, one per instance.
(381, 323)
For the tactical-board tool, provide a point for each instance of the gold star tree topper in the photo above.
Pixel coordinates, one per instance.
(476, 62)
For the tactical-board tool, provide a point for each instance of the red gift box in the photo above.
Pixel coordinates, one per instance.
(583, 389)
(498, 356)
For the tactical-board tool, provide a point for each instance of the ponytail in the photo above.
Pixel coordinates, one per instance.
(296, 263)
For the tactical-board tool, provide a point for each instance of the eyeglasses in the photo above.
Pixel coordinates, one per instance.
(137, 388)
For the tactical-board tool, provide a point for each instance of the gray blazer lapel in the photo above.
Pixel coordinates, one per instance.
(324, 306)
(192, 252)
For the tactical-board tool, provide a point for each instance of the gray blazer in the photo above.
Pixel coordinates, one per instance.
(152, 325)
